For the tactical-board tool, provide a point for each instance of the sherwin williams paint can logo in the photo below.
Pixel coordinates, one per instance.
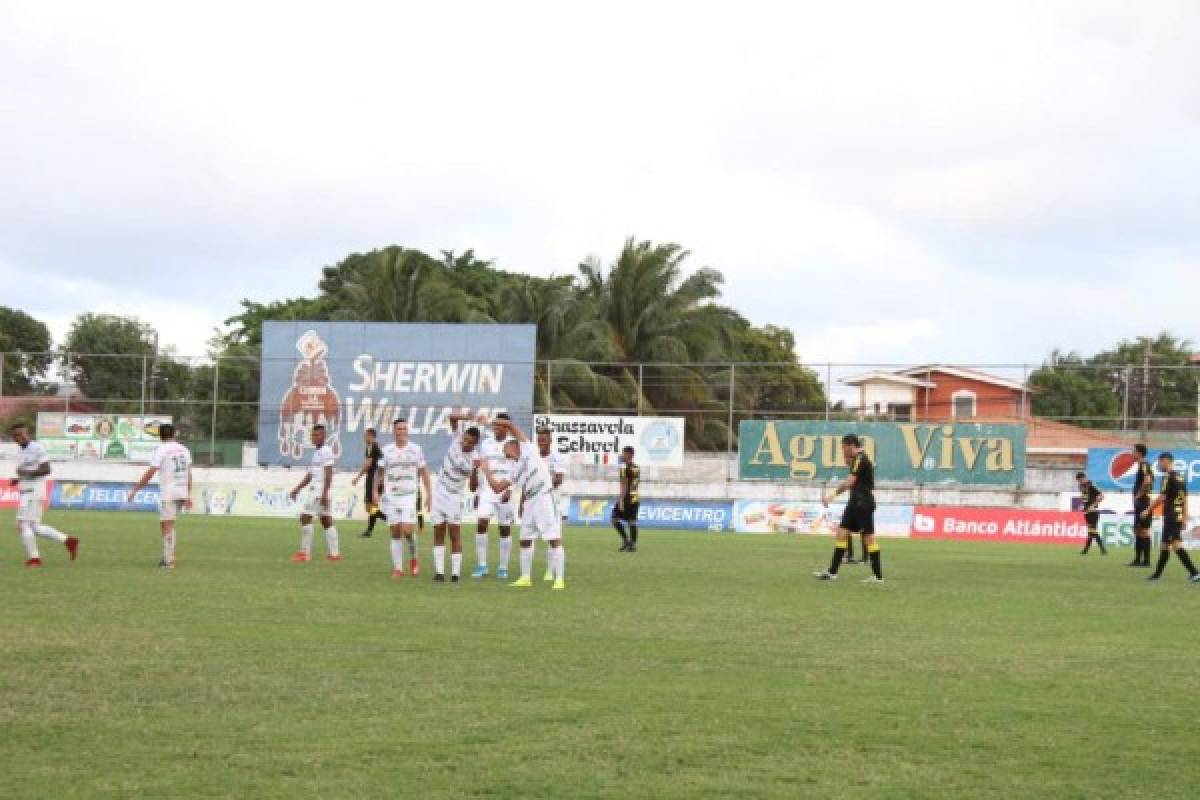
(310, 400)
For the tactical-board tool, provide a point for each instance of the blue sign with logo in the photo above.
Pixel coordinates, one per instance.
(350, 376)
(1112, 469)
(101, 496)
(692, 515)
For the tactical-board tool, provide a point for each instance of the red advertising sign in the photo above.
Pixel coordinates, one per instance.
(10, 495)
(998, 525)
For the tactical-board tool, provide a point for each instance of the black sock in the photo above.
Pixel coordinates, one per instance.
(1163, 558)
(839, 552)
(850, 550)
(1100, 542)
(876, 563)
(620, 526)
(633, 533)
(1088, 544)
(1186, 558)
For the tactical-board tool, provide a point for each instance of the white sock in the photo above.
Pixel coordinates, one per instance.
(526, 561)
(331, 540)
(558, 556)
(439, 559)
(306, 534)
(27, 539)
(397, 553)
(481, 549)
(505, 551)
(169, 547)
(456, 564)
(50, 533)
(412, 546)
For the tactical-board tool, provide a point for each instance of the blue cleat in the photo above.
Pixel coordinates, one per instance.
(480, 572)
(502, 573)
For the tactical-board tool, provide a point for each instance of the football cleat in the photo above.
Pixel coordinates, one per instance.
(33, 562)
(480, 571)
(439, 577)
(333, 558)
(559, 584)
(522, 583)
(502, 573)
(872, 579)
(72, 545)
(1195, 578)
(397, 574)
(300, 557)
(549, 576)
(1154, 577)
(164, 564)
(825, 575)
(365, 535)
(414, 567)
(454, 579)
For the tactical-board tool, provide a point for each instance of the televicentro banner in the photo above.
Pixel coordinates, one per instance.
(962, 452)
(794, 516)
(351, 376)
(657, 441)
(1112, 469)
(694, 515)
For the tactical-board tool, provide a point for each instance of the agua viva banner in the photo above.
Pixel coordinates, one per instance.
(966, 453)
(1112, 469)
(595, 439)
(352, 376)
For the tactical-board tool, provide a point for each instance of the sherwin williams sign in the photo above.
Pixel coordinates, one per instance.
(967, 453)
(1112, 469)
(351, 376)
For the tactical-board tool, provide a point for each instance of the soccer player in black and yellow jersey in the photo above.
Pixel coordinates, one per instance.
(1173, 502)
(859, 516)
(1090, 497)
(1143, 483)
(625, 511)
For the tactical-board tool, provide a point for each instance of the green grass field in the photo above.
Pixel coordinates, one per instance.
(703, 666)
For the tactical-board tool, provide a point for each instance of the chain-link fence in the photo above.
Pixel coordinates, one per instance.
(216, 403)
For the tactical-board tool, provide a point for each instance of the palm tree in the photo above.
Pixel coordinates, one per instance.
(398, 285)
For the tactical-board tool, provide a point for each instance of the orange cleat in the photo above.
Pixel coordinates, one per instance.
(72, 545)
(397, 574)
(333, 558)
(33, 562)
(414, 567)
(300, 557)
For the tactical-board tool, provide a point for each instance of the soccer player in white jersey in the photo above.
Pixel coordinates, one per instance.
(539, 516)
(556, 465)
(33, 467)
(494, 504)
(173, 463)
(457, 468)
(396, 483)
(320, 478)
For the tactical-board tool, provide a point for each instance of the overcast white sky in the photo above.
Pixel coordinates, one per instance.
(896, 182)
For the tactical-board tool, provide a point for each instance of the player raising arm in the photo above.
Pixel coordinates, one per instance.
(320, 476)
(33, 467)
(446, 512)
(540, 517)
(173, 463)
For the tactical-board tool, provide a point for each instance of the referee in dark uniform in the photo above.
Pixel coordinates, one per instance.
(1173, 502)
(1090, 497)
(859, 516)
(373, 455)
(625, 510)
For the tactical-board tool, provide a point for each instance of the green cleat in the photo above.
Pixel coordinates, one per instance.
(549, 576)
(523, 582)
(559, 584)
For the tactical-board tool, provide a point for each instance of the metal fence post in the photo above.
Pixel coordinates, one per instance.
(143, 389)
(641, 390)
(730, 446)
(1125, 399)
(828, 388)
(549, 386)
(212, 433)
(67, 376)
(3, 358)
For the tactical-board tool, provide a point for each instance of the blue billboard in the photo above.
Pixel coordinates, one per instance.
(692, 515)
(1112, 469)
(101, 496)
(351, 376)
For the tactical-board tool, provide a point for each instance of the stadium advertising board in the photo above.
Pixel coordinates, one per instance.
(99, 436)
(693, 515)
(966, 453)
(998, 525)
(101, 496)
(789, 516)
(10, 494)
(1112, 469)
(658, 441)
(1116, 520)
(352, 376)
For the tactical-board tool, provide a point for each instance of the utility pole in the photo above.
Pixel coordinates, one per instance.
(1145, 389)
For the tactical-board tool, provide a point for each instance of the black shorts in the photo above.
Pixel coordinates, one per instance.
(369, 490)
(1093, 520)
(1172, 531)
(1140, 506)
(628, 512)
(859, 518)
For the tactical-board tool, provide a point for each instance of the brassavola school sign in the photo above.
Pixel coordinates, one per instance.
(350, 376)
(967, 453)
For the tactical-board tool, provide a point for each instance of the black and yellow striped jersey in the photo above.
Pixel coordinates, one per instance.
(631, 474)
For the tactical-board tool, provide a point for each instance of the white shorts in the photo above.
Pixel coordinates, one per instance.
(399, 510)
(313, 507)
(541, 519)
(447, 507)
(491, 507)
(170, 507)
(29, 507)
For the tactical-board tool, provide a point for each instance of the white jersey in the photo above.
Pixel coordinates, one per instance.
(491, 450)
(401, 467)
(556, 464)
(32, 456)
(530, 474)
(172, 460)
(322, 458)
(456, 467)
